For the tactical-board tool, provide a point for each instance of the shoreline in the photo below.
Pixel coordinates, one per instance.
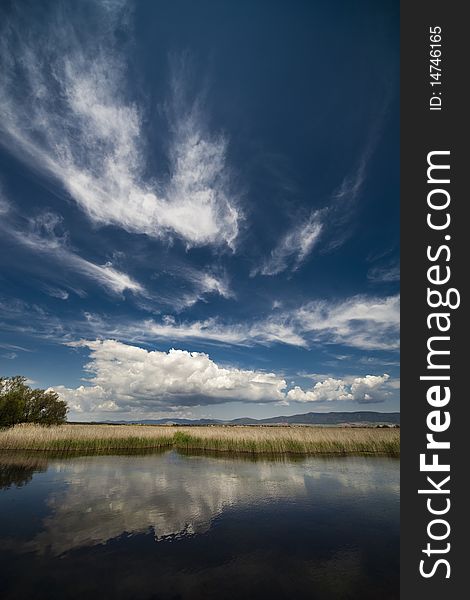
(249, 440)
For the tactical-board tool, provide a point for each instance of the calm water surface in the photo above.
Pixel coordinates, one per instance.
(169, 526)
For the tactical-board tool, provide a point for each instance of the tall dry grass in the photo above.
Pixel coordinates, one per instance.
(273, 440)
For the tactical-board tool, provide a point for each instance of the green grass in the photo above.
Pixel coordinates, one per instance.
(250, 439)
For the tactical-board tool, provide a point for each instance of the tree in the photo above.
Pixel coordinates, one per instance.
(19, 403)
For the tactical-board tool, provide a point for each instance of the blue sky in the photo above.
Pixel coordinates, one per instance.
(199, 205)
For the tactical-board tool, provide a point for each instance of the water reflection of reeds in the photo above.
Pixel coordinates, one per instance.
(18, 469)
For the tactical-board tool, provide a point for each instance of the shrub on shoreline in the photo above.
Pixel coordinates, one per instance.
(19, 403)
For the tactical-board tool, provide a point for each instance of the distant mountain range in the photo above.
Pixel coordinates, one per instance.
(364, 417)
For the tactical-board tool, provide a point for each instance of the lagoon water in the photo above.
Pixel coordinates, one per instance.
(171, 526)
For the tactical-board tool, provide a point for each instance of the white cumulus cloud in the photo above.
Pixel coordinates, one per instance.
(131, 379)
(364, 390)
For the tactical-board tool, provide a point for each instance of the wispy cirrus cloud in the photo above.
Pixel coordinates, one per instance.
(4, 204)
(364, 322)
(264, 332)
(368, 323)
(41, 235)
(66, 110)
(56, 292)
(384, 274)
(44, 236)
(14, 347)
(385, 266)
(326, 228)
(294, 247)
(203, 283)
(345, 198)
(39, 324)
(361, 322)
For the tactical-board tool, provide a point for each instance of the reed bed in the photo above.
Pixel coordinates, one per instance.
(251, 439)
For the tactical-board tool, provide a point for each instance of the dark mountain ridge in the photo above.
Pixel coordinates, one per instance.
(363, 417)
